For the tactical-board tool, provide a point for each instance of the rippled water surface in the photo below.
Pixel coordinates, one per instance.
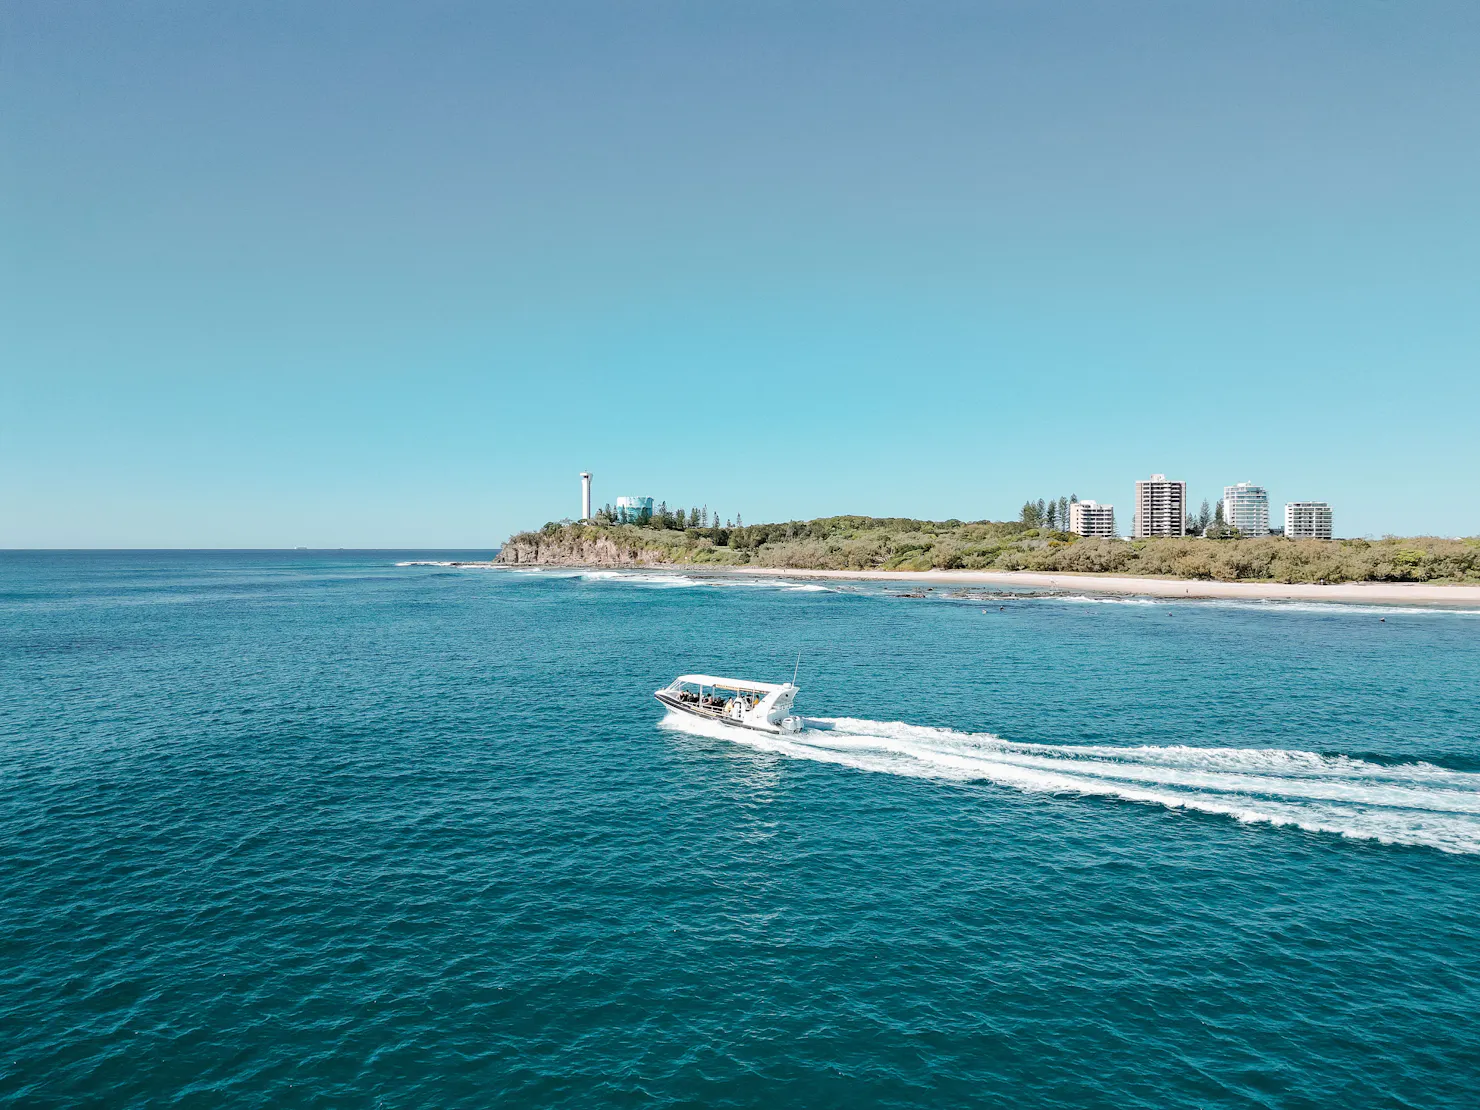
(359, 829)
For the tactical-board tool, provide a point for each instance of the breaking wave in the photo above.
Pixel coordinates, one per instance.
(1419, 804)
(672, 580)
(1334, 607)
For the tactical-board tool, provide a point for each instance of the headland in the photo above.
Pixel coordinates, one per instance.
(1414, 570)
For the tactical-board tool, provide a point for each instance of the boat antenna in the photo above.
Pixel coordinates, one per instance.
(797, 668)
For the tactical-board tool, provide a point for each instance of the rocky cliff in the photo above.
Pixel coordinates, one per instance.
(585, 550)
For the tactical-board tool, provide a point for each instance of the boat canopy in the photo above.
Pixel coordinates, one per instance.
(739, 685)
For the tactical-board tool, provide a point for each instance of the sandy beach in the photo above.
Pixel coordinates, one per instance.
(1369, 593)
(1375, 593)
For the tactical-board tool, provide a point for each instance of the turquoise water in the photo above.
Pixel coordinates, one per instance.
(310, 829)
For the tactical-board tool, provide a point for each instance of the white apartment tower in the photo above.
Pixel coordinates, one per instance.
(1246, 507)
(585, 495)
(1308, 520)
(1161, 507)
(1087, 518)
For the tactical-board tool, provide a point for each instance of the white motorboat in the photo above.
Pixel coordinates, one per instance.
(763, 706)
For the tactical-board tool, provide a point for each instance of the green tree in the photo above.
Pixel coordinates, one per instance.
(1052, 516)
(1219, 529)
(1204, 517)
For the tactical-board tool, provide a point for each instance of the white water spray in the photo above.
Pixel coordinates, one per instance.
(1412, 803)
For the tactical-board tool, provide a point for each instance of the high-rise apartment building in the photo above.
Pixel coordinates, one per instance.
(1308, 520)
(1161, 507)
(1246, 507)
(1087, 518)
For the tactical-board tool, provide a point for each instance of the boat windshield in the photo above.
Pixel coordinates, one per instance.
(716, 697)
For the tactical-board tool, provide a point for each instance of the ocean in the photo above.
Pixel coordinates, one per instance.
(360, 829)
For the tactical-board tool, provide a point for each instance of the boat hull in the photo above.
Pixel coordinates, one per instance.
(709, 715)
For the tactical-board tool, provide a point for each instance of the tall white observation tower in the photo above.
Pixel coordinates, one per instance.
(585, 495)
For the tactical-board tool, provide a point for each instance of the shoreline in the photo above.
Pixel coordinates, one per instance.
(1372, 593)
(1377, 593)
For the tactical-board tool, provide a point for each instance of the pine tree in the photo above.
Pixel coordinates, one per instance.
(1053, 514)
(1063, 512)
(1218, 528)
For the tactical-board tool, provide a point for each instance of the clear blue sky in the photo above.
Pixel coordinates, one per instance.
(374, 274)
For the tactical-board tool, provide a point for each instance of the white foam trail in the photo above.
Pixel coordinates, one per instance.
(662, 581)
(674, 580)
(1412, 803)
(1335, 607)
(1088, 599)
(425, 563)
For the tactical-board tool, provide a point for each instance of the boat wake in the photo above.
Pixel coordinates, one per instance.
(1417, 804)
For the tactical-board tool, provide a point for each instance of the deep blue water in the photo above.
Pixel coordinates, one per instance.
(316, 829)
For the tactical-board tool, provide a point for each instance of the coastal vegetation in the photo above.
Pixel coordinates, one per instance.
(664, 518)
(893, 543)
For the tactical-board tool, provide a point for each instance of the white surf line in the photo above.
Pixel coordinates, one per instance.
(1271, 596)
(669, 580)
(1415, 804)
(1417, 594)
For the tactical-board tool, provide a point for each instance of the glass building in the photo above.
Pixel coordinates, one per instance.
(1246, 507)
